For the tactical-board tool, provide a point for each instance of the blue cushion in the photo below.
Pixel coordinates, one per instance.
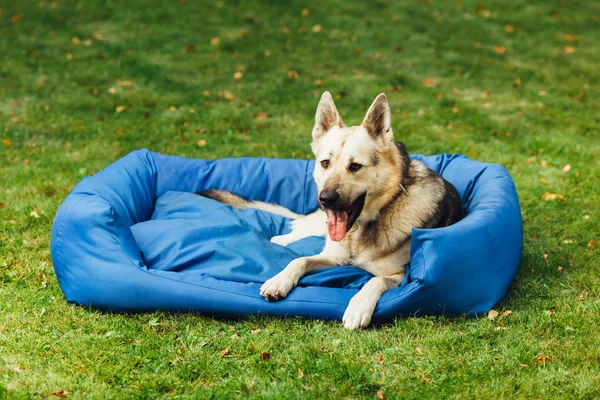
(134, 237)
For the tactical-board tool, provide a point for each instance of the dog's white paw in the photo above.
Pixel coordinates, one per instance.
(278, 286)
(359, 311)
(282, 240)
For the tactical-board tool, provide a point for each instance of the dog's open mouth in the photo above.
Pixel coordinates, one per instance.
(340, 222)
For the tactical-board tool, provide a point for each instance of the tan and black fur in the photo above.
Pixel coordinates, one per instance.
(371, 195)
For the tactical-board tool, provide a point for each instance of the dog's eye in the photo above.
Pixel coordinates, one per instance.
(354, 167)
(325, 164)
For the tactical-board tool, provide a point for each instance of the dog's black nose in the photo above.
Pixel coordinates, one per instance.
(328, 198)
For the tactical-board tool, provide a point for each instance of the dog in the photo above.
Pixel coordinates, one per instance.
(370, 197)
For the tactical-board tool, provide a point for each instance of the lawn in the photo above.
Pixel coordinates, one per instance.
(82, 83)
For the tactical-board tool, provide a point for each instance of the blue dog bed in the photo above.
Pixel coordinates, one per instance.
(135, 238)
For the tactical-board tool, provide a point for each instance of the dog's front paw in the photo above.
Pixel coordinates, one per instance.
(282, 240)
(359, 312)
(277, 287)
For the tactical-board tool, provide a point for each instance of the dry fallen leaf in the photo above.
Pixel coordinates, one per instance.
(125, 82)
(530, 160)
(582, 296)
(566, 168)
(379, 358)
(120, 109)
(553, 196)
(318, 82)
(316, 28)
(228, 95)
(492, 314)
(483, 12)
(15, 18)
(292, 74)
(523, 365)
(380, 394)
(201, 143)
(424, 378)
(500, 49)
(6, 142)
(262, 115)
(568, 37)
(215, 41)
(237, 76)
(542, 359)
(255, 331)
(265, 356)
(34, 214)
(517, 83)
(418, 349)
(305, 12)
(544, 181)
(592, 244)
(509, 28)
(544, 163)
(300, 374)
(579, 95)
(62, 393)
(428, 82)
(569, 49)
(506, 313)
(224, 353)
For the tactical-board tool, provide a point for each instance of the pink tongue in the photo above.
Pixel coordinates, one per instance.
(336, 224)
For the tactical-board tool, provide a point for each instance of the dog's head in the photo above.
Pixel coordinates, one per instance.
(356, 165)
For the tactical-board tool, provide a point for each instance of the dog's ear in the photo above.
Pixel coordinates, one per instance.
(378, 120)
(327, 117)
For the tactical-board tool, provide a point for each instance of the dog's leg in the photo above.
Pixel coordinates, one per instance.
(313, 224)
(280, 285)
(389, 272)
(360, 309)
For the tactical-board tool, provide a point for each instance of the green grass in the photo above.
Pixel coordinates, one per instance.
(64, 70)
